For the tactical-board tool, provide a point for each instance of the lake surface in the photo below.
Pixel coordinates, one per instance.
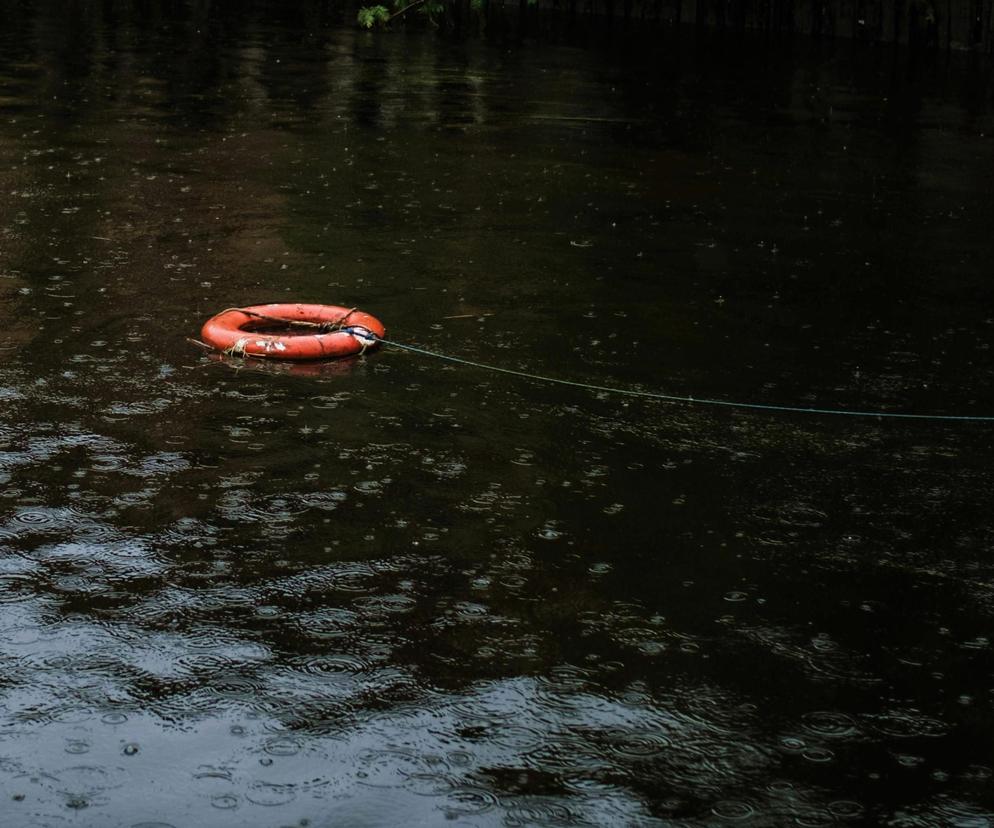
(397, 590)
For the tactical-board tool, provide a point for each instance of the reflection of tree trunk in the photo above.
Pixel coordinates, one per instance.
(825, 20)
(740, 18)
(923, 24)
(989, 29)
(976, 30)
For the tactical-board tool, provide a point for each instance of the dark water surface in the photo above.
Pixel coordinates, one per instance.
(397, 591)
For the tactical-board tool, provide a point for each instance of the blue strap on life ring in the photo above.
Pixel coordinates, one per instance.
(364, 335)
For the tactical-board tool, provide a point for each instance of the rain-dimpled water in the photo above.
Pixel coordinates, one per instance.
(398, 590)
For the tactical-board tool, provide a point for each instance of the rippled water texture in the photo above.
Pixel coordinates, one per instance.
(398, 591)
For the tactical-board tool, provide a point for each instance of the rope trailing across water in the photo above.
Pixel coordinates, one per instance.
(652, 395)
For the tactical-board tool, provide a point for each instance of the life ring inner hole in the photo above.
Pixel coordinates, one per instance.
(281, 329)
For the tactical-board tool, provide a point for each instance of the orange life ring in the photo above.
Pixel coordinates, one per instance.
(309, 331)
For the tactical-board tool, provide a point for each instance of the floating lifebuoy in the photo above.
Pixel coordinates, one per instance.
(304, 331)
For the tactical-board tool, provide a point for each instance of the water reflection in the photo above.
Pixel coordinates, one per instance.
(387, 589)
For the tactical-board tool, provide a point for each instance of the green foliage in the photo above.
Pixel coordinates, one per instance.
(432, 8)
(370, 16)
